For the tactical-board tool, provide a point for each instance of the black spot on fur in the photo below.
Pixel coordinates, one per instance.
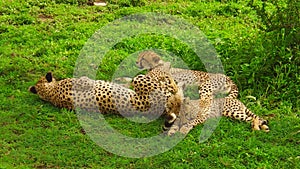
(265, 122)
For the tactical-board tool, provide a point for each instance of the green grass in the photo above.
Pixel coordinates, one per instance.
(38, 36)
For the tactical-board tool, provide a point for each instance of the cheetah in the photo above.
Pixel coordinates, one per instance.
(209, 86)
(209, 83)
(107, 97)
(192, 115)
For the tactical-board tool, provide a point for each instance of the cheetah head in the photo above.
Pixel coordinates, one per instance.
(148, 60)
(44, 87)
(173, 106)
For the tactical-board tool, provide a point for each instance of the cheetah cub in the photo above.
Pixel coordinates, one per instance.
(192, 115)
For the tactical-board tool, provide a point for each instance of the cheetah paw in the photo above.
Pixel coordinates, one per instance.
(185, 129)
(259, 124)
(172, 130)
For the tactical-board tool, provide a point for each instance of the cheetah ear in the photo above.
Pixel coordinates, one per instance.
(49, 77)
(32, 89)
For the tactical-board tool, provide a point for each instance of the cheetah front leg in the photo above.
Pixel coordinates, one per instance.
(123, 81)
(199, 119)
(190, 116)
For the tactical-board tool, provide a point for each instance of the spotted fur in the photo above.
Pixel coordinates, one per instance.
(209, 85)
(192, 115)
(107, 97)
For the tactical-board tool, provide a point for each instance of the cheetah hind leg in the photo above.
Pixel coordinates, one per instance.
(235, 109)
